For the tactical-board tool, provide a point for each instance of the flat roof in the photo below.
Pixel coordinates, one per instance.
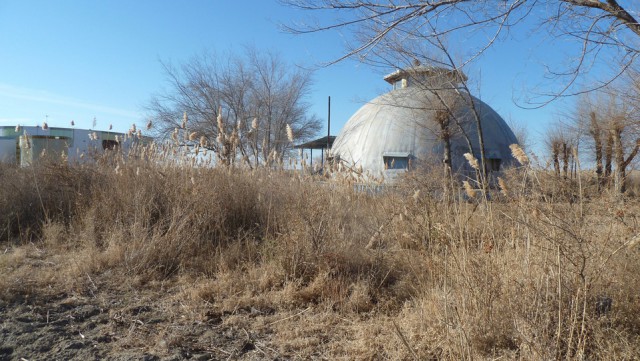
(59, 128)
(430, 71)
(320, 143)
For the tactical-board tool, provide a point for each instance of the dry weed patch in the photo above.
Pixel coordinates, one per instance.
(239, 263)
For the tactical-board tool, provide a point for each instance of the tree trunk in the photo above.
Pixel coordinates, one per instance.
(619, 174)
(608, 155)
(555, 154)
(483, 159)
(597, 141)
(565, 160)
(442, 118)
(625, 164)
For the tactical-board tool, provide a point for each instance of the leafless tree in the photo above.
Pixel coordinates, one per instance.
(616, 130)
(598, 26)
(611, 127)
(238, 106)
(441, 113)
(561, 146)
(443, 119)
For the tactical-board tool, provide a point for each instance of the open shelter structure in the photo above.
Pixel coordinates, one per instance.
(321, 144)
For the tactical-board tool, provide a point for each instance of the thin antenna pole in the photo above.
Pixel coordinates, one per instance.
(328, 124)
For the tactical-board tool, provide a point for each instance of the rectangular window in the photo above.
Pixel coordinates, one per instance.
(493, 165)
(396, 162)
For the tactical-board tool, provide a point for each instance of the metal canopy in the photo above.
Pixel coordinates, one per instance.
(320, 143)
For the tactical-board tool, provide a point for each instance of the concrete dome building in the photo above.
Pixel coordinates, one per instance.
(412, 124)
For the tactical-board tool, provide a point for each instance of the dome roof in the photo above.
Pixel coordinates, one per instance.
(400, 126)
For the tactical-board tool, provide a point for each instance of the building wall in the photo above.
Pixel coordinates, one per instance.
(78, 144)
(7, 150)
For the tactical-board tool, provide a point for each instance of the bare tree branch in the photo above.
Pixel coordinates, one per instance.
(600, 25)
(253, 89)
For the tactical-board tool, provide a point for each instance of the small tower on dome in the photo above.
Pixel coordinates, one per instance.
(430, 77)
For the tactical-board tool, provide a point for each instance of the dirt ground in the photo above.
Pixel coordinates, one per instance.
(120, 327)
(51, 311)
(157, 322)
(135, 326)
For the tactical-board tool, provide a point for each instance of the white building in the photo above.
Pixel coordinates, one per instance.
(398, 129)
(26, 145)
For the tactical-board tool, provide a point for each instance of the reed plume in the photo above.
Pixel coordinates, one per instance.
(473, 162)
(469, 189)
(289, 133)
(220, 122)
(519, 154)
(503, 186)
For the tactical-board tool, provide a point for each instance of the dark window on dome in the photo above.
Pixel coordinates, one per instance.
(493, 164)
(396, 162)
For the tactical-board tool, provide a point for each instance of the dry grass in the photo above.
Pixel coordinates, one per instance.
(335, 273)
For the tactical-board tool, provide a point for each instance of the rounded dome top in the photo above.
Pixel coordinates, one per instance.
(408, 125)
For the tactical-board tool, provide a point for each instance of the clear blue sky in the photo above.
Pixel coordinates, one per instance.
(68, 60)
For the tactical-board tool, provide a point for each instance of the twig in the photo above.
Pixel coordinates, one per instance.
(404, 341)
(286, 318)
(263, 345)
(221, 350)
(92, 283)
